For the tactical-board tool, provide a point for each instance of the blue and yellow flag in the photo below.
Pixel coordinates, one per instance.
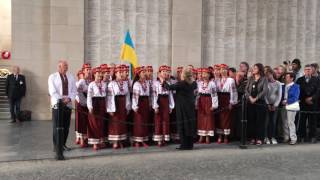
(128, 52)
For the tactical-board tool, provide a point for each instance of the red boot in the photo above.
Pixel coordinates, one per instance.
(77, 141)
(226, 141)
(96, 147)
(219, 140)
(145, 145)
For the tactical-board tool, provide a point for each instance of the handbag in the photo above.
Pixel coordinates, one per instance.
(293, 107)
(25, 115)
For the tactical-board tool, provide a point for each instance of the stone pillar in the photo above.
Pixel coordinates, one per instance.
(186, 32)
(44, 32)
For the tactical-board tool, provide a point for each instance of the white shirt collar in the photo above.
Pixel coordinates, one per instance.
(290, 84)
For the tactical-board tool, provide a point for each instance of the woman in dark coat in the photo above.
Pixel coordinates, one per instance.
(185, 108)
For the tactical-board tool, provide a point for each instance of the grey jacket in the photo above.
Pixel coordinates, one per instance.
(262, 87)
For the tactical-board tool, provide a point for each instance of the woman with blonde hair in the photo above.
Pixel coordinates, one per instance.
(185, 108)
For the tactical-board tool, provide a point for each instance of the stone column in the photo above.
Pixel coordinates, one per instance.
(186, 32)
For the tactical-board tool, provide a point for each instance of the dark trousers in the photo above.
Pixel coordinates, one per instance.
(66, 115)
(256, 120)
(271, 124)
(186, 142)
(312, 122)
(237, 124)
(15, 108)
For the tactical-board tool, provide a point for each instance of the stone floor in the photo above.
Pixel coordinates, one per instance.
(33, 141)
(26, 153)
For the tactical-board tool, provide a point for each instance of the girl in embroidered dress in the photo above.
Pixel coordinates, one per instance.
(206, 102)
(228, 96)
(96, 102)
(163, 104)
(81, 109)
(141, 107)
(119, 105)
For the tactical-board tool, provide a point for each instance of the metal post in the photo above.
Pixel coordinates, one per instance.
(59, 132)
(243, 143)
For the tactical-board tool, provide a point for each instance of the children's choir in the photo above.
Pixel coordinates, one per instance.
(111, 108)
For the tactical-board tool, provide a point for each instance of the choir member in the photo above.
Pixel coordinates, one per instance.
(96, 102)
(173, 121)
(86, 68)
(141, 107)
(227, 96)
(112, 67)
(199, 74)
(163, 104)
(149, 78)
(81, 108)
(119, 105)
(105, 70)
(206, 102)
(216, 72)
(195, 74)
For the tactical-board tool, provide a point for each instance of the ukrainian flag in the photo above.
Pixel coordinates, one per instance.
(128, 52)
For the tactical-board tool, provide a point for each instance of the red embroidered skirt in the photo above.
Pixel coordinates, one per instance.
(205, 116)
(141, 120)
(96, 125)
(117, 127)
(161, 120)
(224, 122)
(81, 121)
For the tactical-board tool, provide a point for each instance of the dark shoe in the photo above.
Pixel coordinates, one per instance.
(301, 140)
(12, 121)
(61, 157)
(184, 148)
(179, 148)
(65, 148)
(313, 140)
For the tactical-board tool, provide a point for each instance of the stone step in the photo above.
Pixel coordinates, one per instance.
(4, 109)
(4, 115)
(4, 101)
(4, 105)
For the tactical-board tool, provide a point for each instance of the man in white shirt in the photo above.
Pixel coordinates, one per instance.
(62, 85)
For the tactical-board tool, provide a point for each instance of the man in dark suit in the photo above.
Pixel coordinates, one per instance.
(15, 90)
(309, 94)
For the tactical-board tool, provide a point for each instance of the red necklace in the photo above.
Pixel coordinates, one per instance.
(120, 85)
(99, 85)
(144, 85)
(223, 80)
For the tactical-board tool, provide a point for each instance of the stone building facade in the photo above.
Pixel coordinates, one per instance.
(173, 32)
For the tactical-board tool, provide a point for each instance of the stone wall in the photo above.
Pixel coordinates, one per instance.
(174, 32)
(44, 31)
(267, 31)
(107, 21)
